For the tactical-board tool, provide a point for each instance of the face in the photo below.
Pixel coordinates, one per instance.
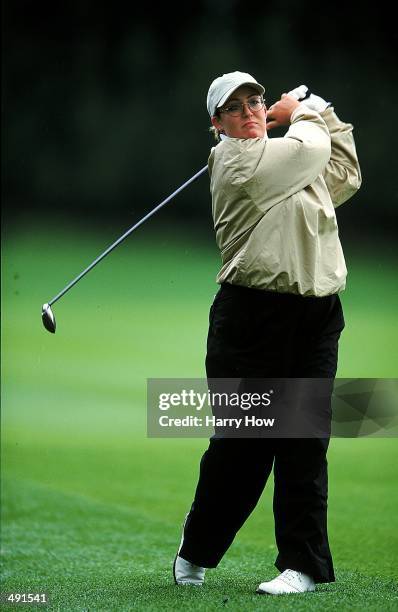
(248, 124)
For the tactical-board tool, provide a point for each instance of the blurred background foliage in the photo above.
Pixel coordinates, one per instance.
(104, 113)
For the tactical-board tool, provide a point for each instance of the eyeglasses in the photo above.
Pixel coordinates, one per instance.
(234, 109)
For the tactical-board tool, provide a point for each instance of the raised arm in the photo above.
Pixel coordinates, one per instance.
(342, 173)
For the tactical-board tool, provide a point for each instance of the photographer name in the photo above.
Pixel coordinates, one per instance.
(211, 421)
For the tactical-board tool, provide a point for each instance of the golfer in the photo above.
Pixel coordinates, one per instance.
(277, 314)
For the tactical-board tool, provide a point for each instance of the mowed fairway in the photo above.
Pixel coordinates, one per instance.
(92, 508)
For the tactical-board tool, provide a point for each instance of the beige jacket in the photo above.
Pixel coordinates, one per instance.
(274, 205)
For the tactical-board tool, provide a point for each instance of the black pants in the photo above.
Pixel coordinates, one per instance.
(256, 334)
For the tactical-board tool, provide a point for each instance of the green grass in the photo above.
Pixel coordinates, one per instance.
(92, 508)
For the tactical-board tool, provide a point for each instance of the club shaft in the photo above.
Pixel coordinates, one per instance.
(129, 231)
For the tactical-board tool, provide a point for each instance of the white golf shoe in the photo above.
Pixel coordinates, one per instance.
(288, 581)
(188, 573)
(185, 572)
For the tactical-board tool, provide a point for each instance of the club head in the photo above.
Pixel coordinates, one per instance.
(48, 318)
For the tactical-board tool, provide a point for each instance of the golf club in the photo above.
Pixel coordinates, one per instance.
(47, 314)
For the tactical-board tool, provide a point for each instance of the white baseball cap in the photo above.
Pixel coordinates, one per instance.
(222, 87)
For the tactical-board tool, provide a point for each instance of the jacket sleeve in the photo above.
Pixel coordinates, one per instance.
(289, 164)
(342, 174)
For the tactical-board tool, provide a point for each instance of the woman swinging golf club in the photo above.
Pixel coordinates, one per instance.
(277, 314)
